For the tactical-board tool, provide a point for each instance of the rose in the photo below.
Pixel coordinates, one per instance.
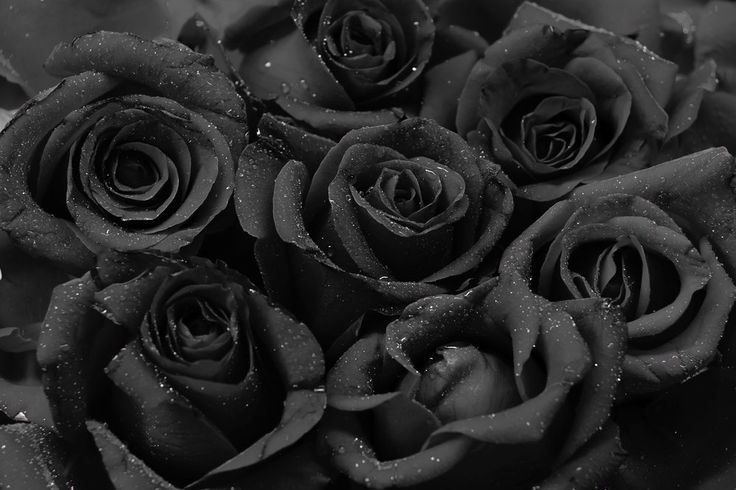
(467, 389)
(388, 215)
(133, 150)
(648, 242)
(203, 376)
(25, 288)
(557, 103)
(337, 65)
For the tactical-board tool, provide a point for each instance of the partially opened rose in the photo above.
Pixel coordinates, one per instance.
(200, 375)
(557, 103)
(495, 385)
(133, 150)
(337, 65)
(388, 215)
(652, 243)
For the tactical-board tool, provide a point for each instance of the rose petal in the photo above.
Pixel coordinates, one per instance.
(74, 344)
(302, 410)
(684, 107)
(335, 123)
(169, 68)
(20, 216)
(33, 457)
(125, 469)
(185, 444)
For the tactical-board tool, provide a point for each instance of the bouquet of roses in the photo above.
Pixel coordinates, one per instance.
(344, 244)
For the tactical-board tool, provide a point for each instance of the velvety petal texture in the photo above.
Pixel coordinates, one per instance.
(647, 254)
(132, 151)
(496, 374)
(194, 370)
(558, 103)
(386, 216)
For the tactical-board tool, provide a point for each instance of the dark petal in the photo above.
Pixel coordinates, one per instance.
(257, 170)
(74, 345)
(185, 76)
(652, 370)
(415, 336)
(336, 123)
(33, 456)
(290, 65)
(495, 212)
(158, 424)
(297, 466)
(243, 411)
(290, 189)
(538, 43)
(353, 383)
(125, 469)
(612, 100)
(351, 452)
(684, 107)
(660, 73)
(299, 144)
(401, 426)
(647, 126)
(20, 215)
(516, 81)
(593, 465)
(696, 188)
(128, 303)
(119, 267)
(290, 345)
(302, 410)
(633, 18)
(443, 84)
(604, 331)
(713, 127)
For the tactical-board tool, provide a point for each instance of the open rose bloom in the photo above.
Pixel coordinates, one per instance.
(368, 244)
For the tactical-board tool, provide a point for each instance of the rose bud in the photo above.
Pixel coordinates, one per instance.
(463, 390)
(196, 372)
(654, 244)
(132, 151)
(388, 215)
(558, 103)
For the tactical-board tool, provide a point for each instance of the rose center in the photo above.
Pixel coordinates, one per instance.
(411, 194)
(461, 381)
(555, 132)
(624, 272)
(134, 170)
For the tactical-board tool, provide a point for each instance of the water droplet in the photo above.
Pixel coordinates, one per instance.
(285, 89)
